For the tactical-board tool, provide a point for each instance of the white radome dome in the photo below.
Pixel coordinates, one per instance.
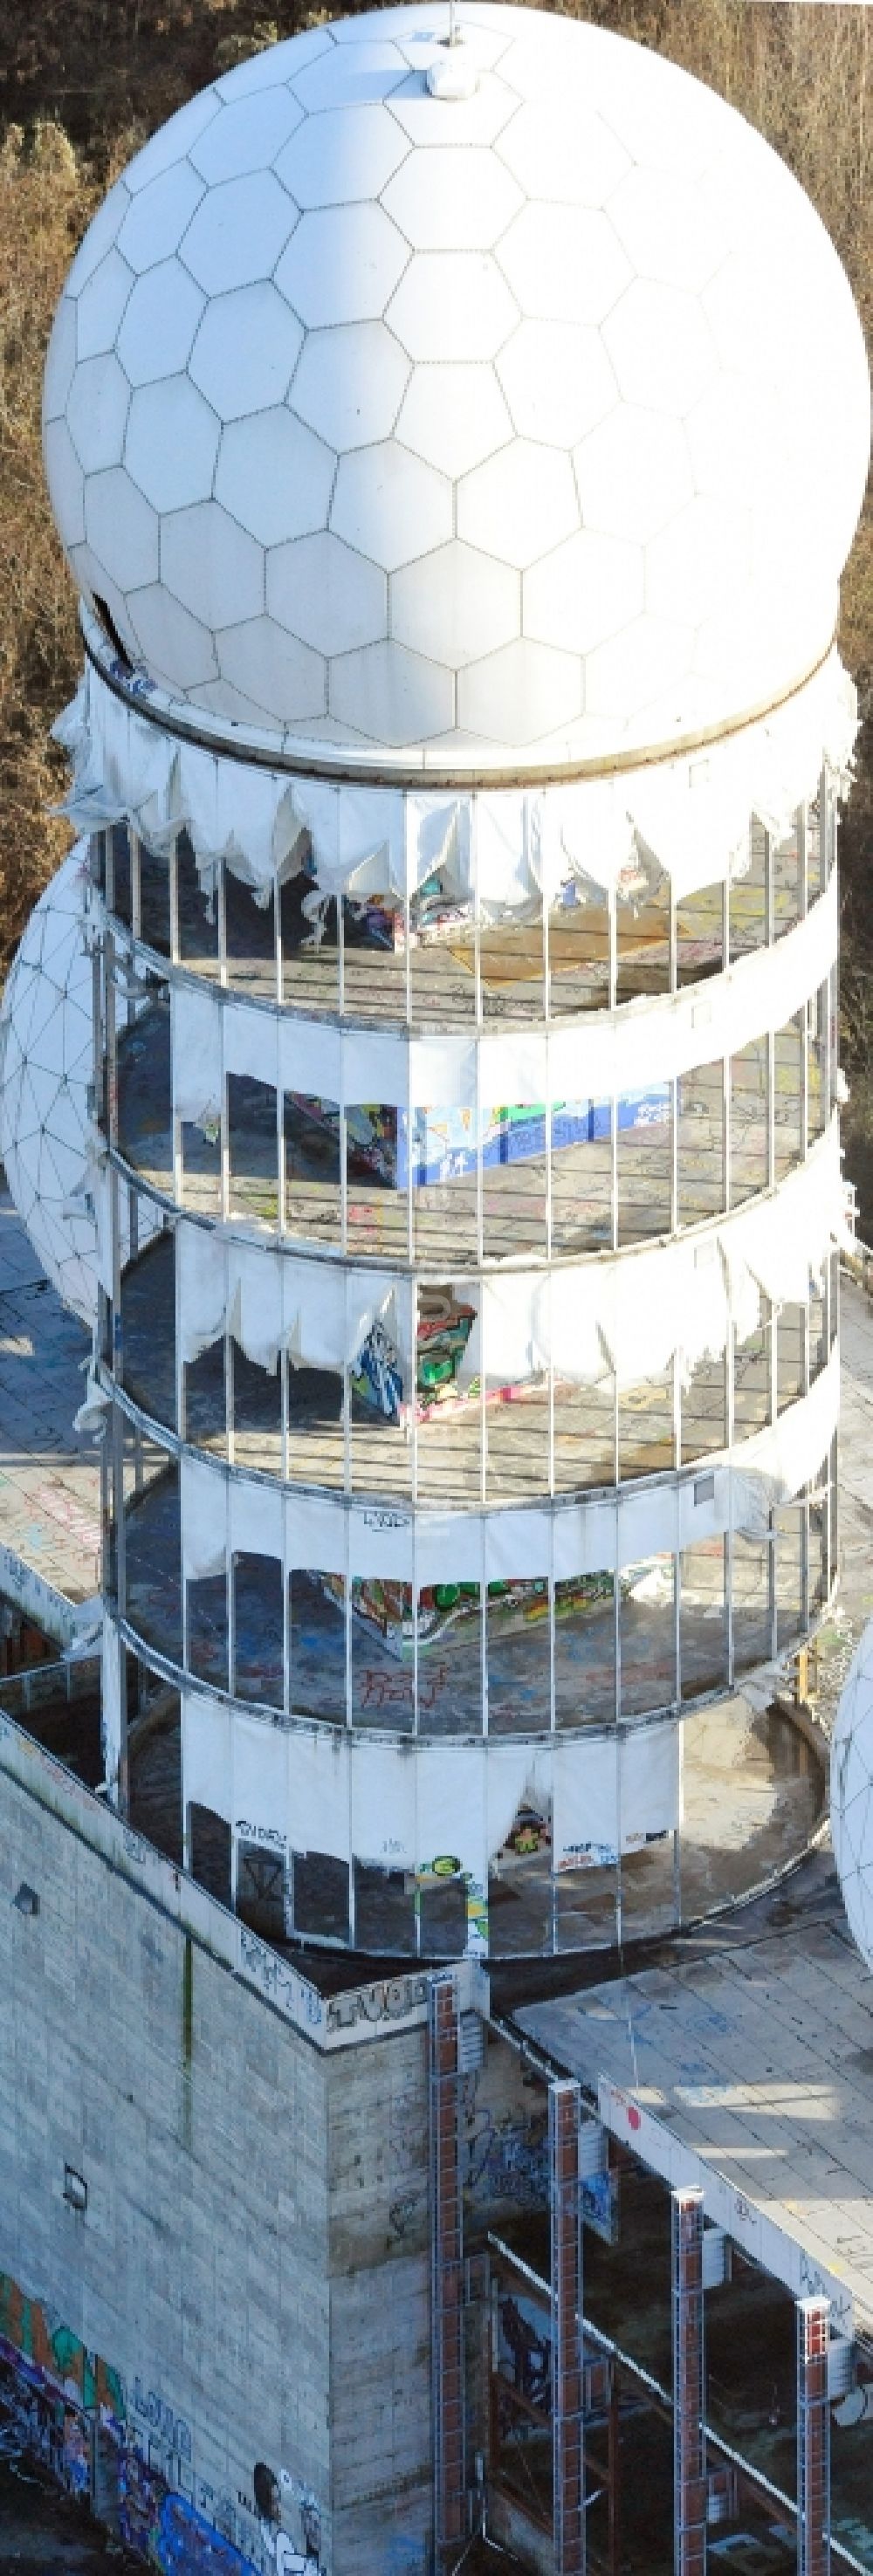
(852, 1794)
(46, 1068)
(523, 424)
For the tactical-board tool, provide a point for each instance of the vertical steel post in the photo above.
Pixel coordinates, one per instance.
(446, 2265)
(689, 2446)
(568, 2428)
(813, 2439)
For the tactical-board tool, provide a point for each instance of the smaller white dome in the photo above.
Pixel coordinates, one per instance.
(852, 1794)
(46, 1066)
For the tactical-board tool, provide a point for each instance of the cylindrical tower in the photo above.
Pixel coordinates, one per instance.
(457, 448)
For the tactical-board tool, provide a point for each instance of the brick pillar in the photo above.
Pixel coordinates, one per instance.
(813, 2439)
(689, 2447)
(568, 2432)
(447, 2304)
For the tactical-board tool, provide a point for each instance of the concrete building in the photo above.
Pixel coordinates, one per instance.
(452, 1182)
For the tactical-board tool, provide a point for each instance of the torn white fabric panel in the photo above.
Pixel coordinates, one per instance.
(201, 1288)
(442, 1073)
(375, 1067)
(196, 1019)
(255, 1518)
(112, 1702)
(260, 1781)
(251, 1042)
(451, 1782)
(318, 1792)
(310, 1057)
(204, 1511)
(208, 1729)
(508, 1781)
(255, 1312)
(384, 1804)
(649, 1782)
(691, 812)
(316, 1535)
(514, 1546)
(585, 1812)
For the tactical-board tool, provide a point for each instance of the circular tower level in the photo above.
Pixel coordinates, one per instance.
(441, 444)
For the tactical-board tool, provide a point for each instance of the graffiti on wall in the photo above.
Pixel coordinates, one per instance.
(127, 2450)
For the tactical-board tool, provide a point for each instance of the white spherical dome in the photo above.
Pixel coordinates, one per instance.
(46, 1066)
(516, 424)
(852, 1794)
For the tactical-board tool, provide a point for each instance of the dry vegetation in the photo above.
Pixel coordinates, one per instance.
(82, 82)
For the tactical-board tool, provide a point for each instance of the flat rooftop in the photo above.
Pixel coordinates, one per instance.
(49, 1476)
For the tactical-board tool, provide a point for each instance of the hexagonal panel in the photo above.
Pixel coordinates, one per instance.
(347, 153)
(246, 135)
(731, 431)
(121, 528)
(177, 649)
(389, 504)
(633, 473)
(93, 580)
(664, 120)
(320, 590)
(172, 141)
(349, 76)
(455, 605)
(160, 320)
(518, 694)
(394, 696)
(154, 224)
(220, 698)
(589, 588)
(638, 664)
(430, 121)
(274, 475)
(556, 154)
(441, 203)
(520, 504)
(274, 65)
(60, 365)
(271, 667)
(97, 412)
(702, 560)
(101, 304)
(207, 561)
(238, 233)
(341, 265)
(452, 304)
(661, 347)
(350, 383)
(672, 231)
(245, 351)
(99, 237)
(65, 481)
(557, 380)
(564, 263)
(171, 443)
(454, 416)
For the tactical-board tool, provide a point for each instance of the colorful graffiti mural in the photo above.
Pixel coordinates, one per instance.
(123, 2448)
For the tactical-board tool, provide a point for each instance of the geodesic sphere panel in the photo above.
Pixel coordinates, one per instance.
(852, 1794)
(525, 422)
(46, 1066)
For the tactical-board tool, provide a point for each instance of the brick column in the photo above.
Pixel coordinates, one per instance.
(689, 2448)
(813, 2439)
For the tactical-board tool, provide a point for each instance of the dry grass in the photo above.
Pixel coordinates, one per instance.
(85, 80)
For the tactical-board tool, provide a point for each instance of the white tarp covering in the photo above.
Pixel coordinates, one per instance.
(629, 1314)
(309, 1789)
(249, 1513)
(612, 1792)
(691, 812)
(596, 1056)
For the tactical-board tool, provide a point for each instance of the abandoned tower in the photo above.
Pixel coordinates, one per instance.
(422, 1079)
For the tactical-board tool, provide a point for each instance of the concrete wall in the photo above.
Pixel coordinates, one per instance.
(238, 2280)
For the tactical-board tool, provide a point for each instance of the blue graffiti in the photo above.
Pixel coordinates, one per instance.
(187, 2545)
